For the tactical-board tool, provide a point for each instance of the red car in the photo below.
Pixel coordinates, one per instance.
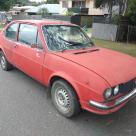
(79, 75)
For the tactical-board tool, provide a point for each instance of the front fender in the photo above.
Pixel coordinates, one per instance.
(84, 91)
(66, 77)
(87, 84)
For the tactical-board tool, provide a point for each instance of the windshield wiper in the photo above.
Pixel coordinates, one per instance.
(63, 49)
(70, 42)
(76, 44)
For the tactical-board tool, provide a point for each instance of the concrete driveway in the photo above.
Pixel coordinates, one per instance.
(25, 110)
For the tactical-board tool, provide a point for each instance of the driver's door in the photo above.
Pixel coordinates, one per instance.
(9, 41)
(28, 59)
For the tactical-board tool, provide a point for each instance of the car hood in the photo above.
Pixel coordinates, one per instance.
(113, 66)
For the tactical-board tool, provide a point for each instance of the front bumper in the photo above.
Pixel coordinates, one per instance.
(118, 102)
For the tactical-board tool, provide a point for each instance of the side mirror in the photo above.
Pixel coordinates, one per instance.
(34, 45)
(84, 28)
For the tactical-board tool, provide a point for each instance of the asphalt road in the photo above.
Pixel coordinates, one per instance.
(25, 110)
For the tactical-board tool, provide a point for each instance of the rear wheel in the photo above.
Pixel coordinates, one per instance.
(5, 65)
(65, 99)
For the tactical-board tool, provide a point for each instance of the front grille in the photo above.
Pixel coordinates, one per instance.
(129, 86)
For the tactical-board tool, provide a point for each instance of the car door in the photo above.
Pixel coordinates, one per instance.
(28, 57)
(9, 41)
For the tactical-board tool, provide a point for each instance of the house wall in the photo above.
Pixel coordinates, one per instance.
(64, 10)
(92, 9)
(89, 4)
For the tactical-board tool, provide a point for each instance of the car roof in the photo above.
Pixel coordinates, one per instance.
(45, 22)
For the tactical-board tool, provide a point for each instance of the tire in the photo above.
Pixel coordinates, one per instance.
(5, 65)
(65, 99)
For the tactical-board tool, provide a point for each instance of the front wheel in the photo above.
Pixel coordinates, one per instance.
(5, 65)
(64, 98)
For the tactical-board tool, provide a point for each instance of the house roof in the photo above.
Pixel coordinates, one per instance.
(22, 7)
(52, 8)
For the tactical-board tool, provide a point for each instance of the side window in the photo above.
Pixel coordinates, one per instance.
(39, 42)
(28, 34)
(12, 31)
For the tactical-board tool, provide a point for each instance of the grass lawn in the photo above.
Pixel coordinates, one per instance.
(121, 47)
(1, 26)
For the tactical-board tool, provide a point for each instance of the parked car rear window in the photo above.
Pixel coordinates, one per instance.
(12, 31)
(28, 34)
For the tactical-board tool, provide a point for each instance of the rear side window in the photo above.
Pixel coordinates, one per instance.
(11, 31)
(28, 34)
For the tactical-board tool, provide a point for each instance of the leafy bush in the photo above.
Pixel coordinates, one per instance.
(116, 19)
(131, 12)
(69, 13)
(43, 11)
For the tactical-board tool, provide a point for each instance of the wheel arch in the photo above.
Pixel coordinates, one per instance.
(0, 51)
(66, 79)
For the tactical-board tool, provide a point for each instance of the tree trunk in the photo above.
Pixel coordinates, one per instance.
(110, 4)
(120, 8)
(125, 7)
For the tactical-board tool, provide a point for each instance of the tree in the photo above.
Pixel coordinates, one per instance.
(123, 4)
(7, 4)
(35, 3)
(131, 11)
(110, 3)
(53, 1)
(104, 3)
(43, 11)
(22, 2)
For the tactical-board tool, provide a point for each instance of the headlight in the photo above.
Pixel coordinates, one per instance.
(116, 90)
(108, 93)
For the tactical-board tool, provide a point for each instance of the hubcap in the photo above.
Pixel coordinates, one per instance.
(62, 99)
(3, 62)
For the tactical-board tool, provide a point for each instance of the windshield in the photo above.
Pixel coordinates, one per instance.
(62, 37)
